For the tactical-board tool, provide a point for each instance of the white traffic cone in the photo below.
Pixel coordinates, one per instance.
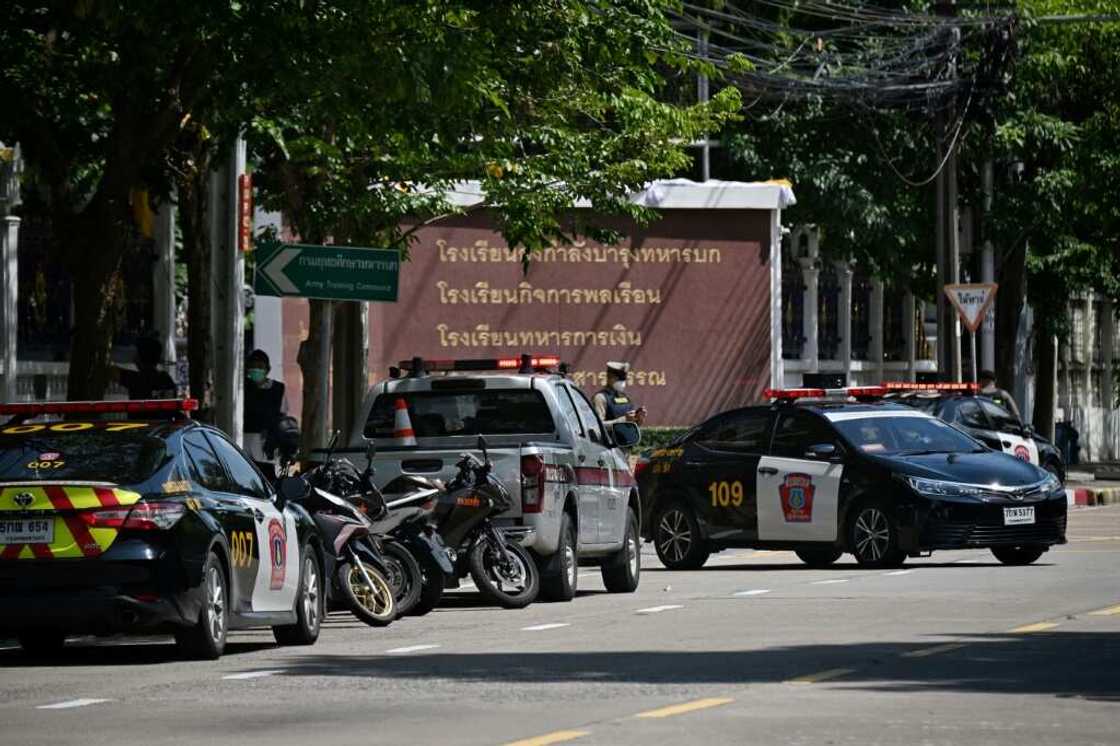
(403, 433)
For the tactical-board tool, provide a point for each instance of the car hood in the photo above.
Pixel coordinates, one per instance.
(989, 467)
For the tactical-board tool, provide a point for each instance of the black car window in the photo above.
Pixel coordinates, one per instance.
(120, 452)
(742, 432)
(968, 414)
(1001, 419)
(246, 479)
(204, 465)
(465, 411)
(898, 435)
(797, 431)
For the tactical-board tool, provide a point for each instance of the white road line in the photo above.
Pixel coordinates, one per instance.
(72, 703)
(755, 592)
(658, 609)
(899, 572)
(410, 649)
(251, 675)
(543, 627)
(829, 582)
(965, 562)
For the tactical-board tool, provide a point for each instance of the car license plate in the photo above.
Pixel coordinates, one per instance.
(26, 531)
(1018, 516)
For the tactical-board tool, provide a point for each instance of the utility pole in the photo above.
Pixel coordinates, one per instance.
(228, 274)
(948, 214)
(702, 95)
(11, 167)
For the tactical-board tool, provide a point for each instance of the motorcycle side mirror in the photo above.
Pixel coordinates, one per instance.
(291, 489)
(626, 434)
(482, 447)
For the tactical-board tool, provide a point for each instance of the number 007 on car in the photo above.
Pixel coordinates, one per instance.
(27, 531)
(1018, 516)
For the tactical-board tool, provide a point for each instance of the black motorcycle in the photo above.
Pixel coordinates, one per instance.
(501, 568)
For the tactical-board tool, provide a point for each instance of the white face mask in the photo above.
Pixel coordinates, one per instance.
(619, 386)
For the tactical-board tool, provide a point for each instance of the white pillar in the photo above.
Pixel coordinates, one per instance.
(229, 300)
(268, 312)
(909, 323)
(810, 277)
(11, 165)
(875, 353)
(777, 366)
(844, 275)
(1086, 400)
(1109, 440)
(163, 283)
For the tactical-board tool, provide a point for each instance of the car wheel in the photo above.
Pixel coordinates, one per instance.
(206, 639)
(677, 538)
(561, 585)
(42, 643)
(814, 557)
(622, 572)
(309, 604)
(1023, 555)
(873, 536)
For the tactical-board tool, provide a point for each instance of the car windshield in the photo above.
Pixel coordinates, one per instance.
(905, 436)
(117, 452)
(436, 414)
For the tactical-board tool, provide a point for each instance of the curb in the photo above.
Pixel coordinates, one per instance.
(1090, 497)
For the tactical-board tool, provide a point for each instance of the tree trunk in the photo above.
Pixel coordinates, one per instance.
(193, 200)
(1010, 300)
(315, 363)
(1044, 388)
(97, 295)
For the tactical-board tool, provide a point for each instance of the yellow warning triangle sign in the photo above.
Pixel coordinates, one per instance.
(972, 302)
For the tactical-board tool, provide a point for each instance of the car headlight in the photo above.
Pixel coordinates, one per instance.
(939, 488)
(1051, 483)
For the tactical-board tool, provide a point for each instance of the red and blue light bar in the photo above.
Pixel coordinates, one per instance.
(858, 392)
(136, 406)
(523, 363)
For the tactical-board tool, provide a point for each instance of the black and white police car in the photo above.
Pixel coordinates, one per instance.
(985, 419)
(146, 524)
(823, 472)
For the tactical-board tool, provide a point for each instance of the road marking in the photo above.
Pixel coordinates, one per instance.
(829, 582)
(72, 703)
(755, 592)
(1039, 627)
(410, 649)
(658, 609)
(1110, 611)
(542, 627)
(926, 652)
(898, 572)
(965, 561)
(681, 709)
(251, 675)
(559, 736)
(813, 678)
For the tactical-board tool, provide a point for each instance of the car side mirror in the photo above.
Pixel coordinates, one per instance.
(626, 434)
(1028, 430)
(822, 452)
(290, 489)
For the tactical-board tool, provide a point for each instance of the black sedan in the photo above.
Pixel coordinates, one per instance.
(146, 525)
(992, 425)
(880, 480)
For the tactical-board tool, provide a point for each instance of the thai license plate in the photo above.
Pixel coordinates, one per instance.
(26, 530)
(1018, 516)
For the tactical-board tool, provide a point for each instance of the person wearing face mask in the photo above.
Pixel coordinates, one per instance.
(613, 404)
(264, 403)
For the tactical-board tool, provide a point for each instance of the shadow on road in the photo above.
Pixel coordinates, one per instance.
(1063, 664)
(122, 651)
(838, 567)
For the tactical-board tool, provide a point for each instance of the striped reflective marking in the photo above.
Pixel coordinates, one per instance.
(72, 537)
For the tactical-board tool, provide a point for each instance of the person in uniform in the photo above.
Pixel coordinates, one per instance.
(988, 387)
(148, 381)
(264, 404)
(613, 404)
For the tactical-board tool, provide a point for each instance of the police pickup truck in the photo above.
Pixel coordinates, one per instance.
(576, 501)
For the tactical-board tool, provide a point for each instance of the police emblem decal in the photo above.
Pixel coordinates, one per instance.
(797, 492)
(278, 553)
(1022, 453)
(24, 499)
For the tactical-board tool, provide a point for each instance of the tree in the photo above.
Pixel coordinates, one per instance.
(544, 103)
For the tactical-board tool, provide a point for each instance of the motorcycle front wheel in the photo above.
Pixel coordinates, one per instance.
(404, 575)
(372, 602)
(513, 584)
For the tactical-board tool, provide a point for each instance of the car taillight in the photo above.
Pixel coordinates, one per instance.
(532, 483)
(144, 516)
(640, 467)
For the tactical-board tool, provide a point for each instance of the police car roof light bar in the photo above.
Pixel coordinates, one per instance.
(858, 392)
(963, 388)
(522, 364)
(137, 406)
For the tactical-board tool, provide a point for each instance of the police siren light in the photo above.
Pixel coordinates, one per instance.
(403, 433)
(521, 363)
(848, 392)
(134, 406)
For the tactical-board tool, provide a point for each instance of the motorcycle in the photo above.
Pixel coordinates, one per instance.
(493, 557)
(361, 569)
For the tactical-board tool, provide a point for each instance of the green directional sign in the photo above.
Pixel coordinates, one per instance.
(327, 272)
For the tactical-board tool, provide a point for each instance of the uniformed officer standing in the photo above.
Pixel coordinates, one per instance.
(613, 404)
(264, 403)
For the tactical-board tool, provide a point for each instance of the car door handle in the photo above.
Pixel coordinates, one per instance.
(768, 470)
(258, 514)
(582, 458)
(601, 462)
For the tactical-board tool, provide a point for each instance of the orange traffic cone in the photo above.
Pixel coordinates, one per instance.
(402, 425)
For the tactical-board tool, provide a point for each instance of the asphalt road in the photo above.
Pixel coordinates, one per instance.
(754, 649)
